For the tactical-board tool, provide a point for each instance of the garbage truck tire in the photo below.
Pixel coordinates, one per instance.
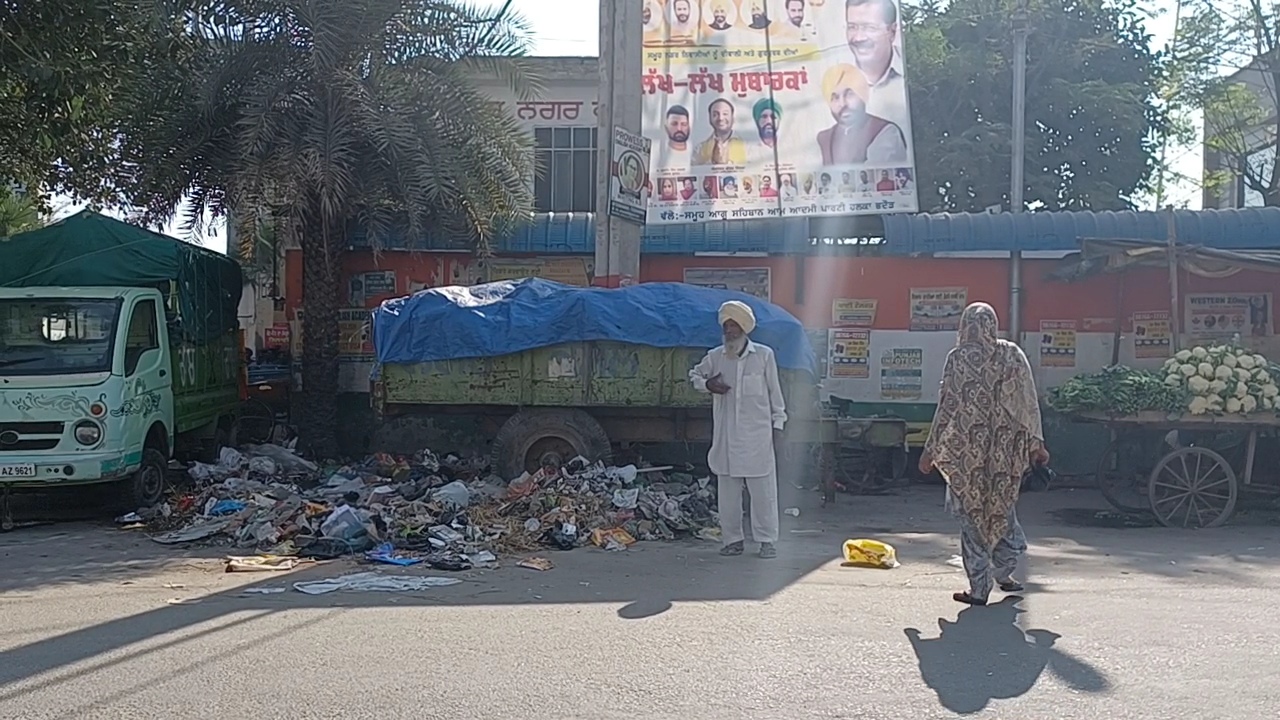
(146, 486)
(531, 438)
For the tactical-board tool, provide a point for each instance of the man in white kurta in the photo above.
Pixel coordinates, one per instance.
(747, 413)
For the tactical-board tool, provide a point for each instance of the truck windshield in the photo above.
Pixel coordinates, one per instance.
(57, 336)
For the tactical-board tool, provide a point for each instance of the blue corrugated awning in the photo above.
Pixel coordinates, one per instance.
(575, 233)
(1246, 228)
(924, 234)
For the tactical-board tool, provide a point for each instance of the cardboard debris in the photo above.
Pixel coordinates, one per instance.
(536, 563)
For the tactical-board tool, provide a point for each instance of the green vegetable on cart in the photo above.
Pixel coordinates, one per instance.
(1216, 380)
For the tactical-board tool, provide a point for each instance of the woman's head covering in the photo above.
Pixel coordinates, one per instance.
(740, 313)
(979, 326)
(987, 422)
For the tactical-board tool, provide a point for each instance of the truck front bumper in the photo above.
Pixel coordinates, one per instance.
(47, 470)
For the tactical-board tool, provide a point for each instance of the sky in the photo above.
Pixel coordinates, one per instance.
(571, 27)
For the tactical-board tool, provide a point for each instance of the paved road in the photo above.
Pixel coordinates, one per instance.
(1117, 623)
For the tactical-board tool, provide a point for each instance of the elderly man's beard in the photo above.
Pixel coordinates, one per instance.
(736, 345)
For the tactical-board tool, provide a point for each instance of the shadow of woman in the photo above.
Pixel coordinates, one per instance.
(985, 656)
(644, 608)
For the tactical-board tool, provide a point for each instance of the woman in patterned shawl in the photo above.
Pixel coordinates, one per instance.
(985, 435)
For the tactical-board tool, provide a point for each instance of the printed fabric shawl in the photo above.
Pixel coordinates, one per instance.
(986, 425)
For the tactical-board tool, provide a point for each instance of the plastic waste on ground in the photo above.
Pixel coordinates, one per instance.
(870, 553)
(374, 582)
(455, 494)
(442, 511)
(387, 555)
(261, 563)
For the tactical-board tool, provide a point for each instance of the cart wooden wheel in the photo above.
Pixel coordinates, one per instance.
(1193, 487)
(1124, 470)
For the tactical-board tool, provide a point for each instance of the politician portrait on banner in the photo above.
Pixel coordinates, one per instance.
(776, 108)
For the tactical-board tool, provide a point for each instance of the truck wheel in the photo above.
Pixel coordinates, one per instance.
(533, 438)
(146, 486)
(213, 447)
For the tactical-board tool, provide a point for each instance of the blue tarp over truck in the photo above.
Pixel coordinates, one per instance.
(503, 318)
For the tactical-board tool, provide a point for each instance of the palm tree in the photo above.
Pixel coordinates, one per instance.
(312, 117)
(18, 213)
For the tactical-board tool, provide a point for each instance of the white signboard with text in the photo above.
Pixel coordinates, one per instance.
(629, 176)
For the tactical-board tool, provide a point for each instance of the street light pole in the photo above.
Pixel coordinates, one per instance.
(1017, 182)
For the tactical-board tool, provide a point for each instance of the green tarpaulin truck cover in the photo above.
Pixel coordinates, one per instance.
(93, 250)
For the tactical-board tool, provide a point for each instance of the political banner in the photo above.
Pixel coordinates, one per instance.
(775, 108)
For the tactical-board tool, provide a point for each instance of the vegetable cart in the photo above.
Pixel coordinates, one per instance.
(1187, 470)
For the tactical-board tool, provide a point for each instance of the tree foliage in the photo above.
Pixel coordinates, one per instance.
(1228, 66)
(65, 66)
(1094, 120)
(19, 212)
(311, 116)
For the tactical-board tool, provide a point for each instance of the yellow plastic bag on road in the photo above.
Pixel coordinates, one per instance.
(870, 553)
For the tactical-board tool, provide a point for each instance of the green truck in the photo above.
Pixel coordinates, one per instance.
(543, 407)
(120, 349)
(548, 405)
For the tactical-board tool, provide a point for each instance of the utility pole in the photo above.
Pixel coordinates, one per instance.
(621, 34)
(1018, 146)
(1164, 146)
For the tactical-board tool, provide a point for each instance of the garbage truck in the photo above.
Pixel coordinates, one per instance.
(120, 349)
(557, 371)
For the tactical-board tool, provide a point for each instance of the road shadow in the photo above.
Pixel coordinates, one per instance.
(983, 656)
(643, 582)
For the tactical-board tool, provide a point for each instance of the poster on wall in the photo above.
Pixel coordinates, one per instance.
(775, 109)
(1058, 343)
(276, 337)
(1221, 315)
(849, 354)
(366, 286)
(569, 271)
(353, 335)
(937, 309)
(752, 281)
(848, 312)
(1151, 336)
(1099, 325)
(902, 374)
(467, 271)
(629, 176)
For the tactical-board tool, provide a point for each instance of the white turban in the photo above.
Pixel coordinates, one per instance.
(740, 313)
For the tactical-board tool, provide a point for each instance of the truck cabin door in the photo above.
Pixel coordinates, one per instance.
(147, 381)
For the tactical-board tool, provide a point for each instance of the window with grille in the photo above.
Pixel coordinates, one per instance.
(566, 180)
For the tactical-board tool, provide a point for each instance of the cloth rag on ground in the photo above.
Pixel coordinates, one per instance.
(451, 323)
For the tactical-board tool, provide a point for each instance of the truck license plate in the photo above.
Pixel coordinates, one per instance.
(27, 470)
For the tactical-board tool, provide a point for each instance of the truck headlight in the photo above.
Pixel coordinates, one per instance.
(88, 432)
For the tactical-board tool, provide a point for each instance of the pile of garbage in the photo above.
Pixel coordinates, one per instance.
(446, 512)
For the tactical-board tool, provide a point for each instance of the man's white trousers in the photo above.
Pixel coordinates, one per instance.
(764, 508)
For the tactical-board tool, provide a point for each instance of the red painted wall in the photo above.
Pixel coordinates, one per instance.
(887, 280)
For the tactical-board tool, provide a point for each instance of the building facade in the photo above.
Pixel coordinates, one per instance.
(1242, 144)
(562, 121)
(881, 311)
